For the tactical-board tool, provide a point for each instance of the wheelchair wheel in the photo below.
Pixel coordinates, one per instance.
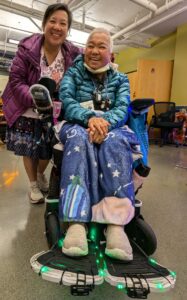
(143, 235)
(52, 229)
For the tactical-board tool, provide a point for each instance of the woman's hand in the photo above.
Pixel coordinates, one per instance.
(95, 137)
(99, 125)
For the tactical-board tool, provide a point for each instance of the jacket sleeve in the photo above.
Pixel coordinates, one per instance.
(73, 111)
(118, 115)
(18, 79)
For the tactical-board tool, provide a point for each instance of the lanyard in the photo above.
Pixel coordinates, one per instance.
(99, 102)
(98, 87)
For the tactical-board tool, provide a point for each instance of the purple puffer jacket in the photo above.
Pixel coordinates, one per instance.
(25, 71)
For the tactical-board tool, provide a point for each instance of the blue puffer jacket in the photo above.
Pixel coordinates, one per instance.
(77, 86)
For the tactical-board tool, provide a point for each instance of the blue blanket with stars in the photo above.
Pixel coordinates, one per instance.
(91, 172)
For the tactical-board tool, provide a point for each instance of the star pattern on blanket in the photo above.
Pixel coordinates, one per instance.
(116, 173)
(77, 149)
(83, 213)
(86, 164)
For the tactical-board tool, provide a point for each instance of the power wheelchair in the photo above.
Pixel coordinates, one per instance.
(137, 278)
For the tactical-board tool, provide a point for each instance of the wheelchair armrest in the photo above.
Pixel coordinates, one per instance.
(139, 105)
(142, 170)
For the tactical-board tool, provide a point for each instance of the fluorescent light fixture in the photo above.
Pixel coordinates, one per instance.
(78, 37)
(12, 41)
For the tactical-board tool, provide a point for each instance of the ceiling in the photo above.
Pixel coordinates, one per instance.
(132, 23)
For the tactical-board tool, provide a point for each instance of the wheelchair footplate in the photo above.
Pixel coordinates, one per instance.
(139, 277)
(136, 278)
(80, 273)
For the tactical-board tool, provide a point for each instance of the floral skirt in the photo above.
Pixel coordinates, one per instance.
(30, 137)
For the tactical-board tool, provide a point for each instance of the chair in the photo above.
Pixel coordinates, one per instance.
(164, 118)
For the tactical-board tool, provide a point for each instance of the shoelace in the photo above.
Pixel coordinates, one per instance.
(35, 189)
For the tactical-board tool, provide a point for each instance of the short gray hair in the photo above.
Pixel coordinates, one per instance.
(101, 30)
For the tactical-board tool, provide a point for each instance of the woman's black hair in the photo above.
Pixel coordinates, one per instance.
(54, 7)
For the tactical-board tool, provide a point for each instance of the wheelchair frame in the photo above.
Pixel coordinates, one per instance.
(141, 235)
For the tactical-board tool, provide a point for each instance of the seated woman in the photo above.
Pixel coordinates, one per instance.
(97, 166)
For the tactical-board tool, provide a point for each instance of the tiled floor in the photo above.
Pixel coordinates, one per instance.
(164, 197)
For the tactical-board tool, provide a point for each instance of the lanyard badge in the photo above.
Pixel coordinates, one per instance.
(97, 97)
(99, 102)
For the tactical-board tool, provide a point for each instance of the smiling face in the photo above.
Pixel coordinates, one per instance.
(56, 28)
(97, 51)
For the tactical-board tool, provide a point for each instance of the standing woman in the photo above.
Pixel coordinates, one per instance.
(48, 54)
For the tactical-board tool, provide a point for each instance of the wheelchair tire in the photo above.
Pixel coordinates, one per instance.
(52, 229)
(142, 233)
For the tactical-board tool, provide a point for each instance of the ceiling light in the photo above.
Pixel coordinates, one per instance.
(12, 41)
(78, 37)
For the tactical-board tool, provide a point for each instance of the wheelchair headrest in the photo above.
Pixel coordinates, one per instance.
(49, 83)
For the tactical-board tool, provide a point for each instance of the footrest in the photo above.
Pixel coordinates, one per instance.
(140, 276)
(136, 278)
(81, 273)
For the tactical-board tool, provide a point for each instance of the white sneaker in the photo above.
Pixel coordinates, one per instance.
(35, 194)
(42, 182)
(75, 242)
(117, 243)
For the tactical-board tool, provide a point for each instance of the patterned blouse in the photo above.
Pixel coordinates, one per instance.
(56, 70)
